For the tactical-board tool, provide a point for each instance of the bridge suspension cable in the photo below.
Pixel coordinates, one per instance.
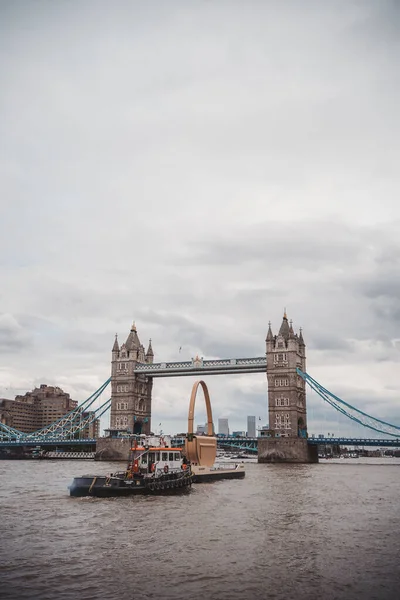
(75, 427)
(66, 425)
(350, 411)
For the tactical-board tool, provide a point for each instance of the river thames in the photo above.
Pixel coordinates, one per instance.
(327, 531)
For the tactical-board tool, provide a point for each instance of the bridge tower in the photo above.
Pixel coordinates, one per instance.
(286, 389)
(286, 440)
(130, 391)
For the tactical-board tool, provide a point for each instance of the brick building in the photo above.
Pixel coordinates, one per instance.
(39, 408)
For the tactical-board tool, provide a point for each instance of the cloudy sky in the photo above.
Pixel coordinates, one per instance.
(197, 167)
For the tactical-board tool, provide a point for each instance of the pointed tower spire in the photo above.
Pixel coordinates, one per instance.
(270, 337)
(291, 331)
(132, 341)
(116, 345)
(149, 353)
(301, 340)
(150, 349)
(284, 330)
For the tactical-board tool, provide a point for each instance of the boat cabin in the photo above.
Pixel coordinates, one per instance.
(154, 455)
(151, 460)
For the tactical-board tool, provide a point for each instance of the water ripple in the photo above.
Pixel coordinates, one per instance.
(291, 531)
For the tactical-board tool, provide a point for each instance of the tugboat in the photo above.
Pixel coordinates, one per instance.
(154, 467)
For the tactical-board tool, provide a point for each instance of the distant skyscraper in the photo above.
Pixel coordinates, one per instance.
(223, 427)
(251, 426)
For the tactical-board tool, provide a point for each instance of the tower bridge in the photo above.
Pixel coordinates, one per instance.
(133, 370)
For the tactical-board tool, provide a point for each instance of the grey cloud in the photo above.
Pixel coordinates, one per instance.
(383, 286)
(329, 342)
(13, 336)
(248, 166)
(288, 245)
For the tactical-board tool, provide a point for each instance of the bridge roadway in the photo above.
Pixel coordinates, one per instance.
(241, 443)
(46, 442)
(250, 444)
(199, 366)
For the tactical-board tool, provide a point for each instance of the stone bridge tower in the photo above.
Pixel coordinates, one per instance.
(286, 440)
(286, 389)
(130, 392)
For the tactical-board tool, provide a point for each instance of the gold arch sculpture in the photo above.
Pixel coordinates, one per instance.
(200, 450)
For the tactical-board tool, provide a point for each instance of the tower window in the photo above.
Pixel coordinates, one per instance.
(121, 421)
(281, 382)
(282, 401)
(122, 405)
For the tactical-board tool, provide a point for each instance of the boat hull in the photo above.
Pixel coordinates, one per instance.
(217, 472)
(101, 486)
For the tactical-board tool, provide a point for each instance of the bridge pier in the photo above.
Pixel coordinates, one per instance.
(113, 449)
(286, 450)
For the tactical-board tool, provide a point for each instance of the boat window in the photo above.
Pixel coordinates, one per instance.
(171, 456)
(177, 456)
(157, 456)
(164, 456)
(144, 459)
(152, 456)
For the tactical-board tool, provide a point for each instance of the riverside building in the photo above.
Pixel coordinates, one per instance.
(41, 407)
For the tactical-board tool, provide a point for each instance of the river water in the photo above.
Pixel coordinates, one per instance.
(286, 531)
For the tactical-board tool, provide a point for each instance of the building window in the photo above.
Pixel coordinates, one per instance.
(280, 357)
(121, 421)
(281, 382)
(282, 421)
(282, 401)
(122, 405)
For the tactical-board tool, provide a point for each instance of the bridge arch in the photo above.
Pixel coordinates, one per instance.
(200, 450)
(192, 407)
